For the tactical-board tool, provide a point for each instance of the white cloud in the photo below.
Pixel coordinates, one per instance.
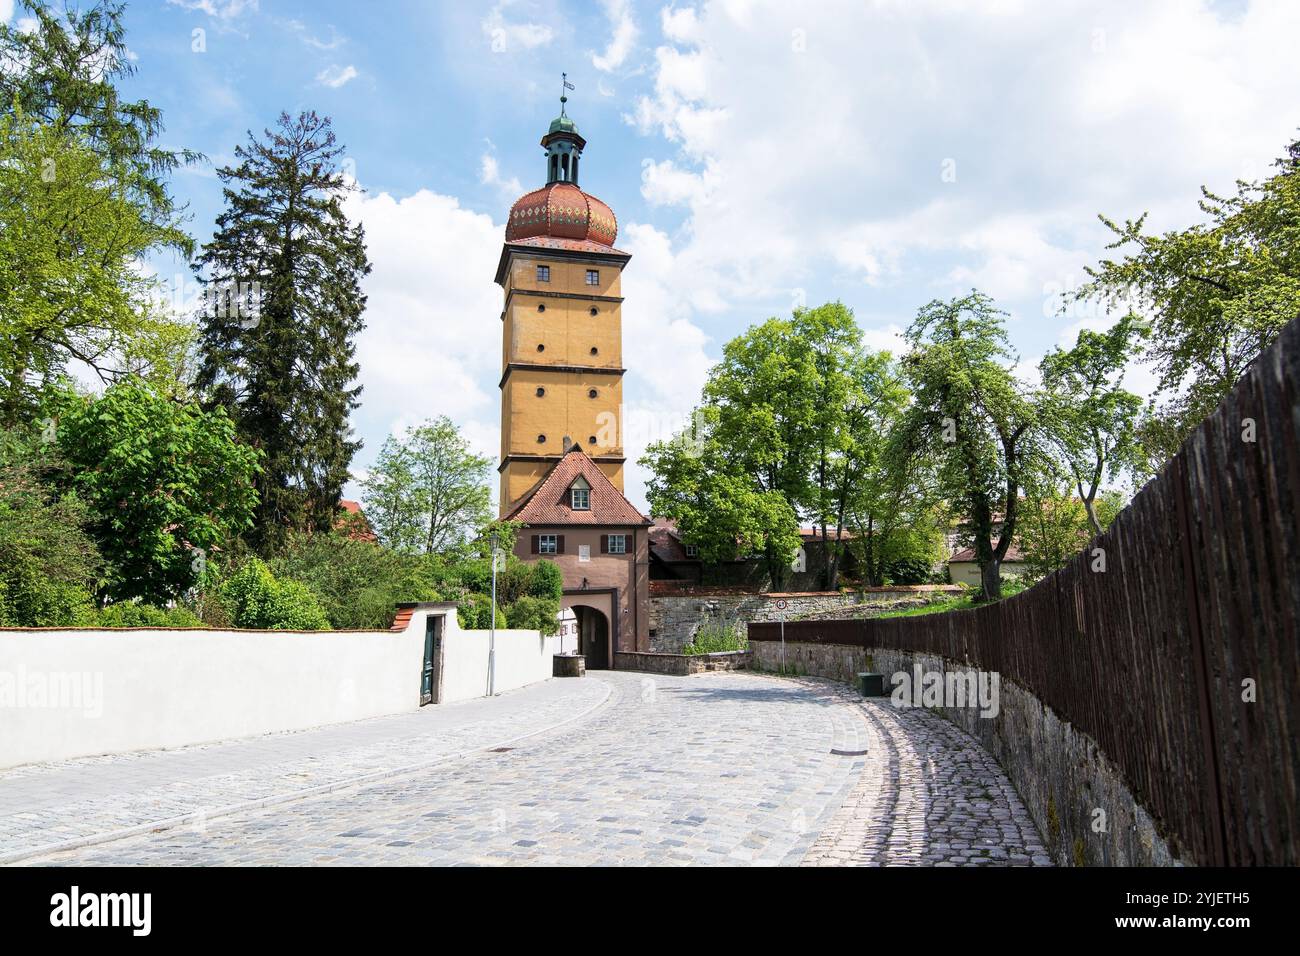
(431, 345)
(680, 25)
(489, 174)
(335, 76)
(221, 9)
(6, 10)
(891, 153)
(504, 35)
(307, 36)
(667, 184)
(619, 13)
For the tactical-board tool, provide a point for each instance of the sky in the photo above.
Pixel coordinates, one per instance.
(759, 156)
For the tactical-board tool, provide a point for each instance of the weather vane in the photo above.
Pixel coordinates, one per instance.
(564, 85)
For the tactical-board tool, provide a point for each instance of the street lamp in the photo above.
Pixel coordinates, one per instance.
(497, 556)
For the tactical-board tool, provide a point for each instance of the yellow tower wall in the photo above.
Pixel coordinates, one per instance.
(552, 341)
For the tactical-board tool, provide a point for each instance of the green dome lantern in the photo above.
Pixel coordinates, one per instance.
(562, 143)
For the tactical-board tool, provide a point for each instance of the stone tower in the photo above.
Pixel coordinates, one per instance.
(562, 335)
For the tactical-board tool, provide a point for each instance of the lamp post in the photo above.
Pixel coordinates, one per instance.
(492, 631)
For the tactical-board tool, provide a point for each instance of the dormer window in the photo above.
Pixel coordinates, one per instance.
(580, 495)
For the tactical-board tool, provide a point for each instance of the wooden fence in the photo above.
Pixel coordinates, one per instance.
(1156, 656)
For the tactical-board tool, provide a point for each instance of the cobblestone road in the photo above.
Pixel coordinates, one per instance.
(720, 768)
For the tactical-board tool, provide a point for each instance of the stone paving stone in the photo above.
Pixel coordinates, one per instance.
(929, 795)
(41, 804)
(714, 769)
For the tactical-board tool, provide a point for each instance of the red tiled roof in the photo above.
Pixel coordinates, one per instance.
(548, 502)
(968, 554)
(666, 542)
(568, 245)
(353, 521)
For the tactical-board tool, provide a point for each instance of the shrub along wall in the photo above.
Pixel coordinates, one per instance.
(1172, 640)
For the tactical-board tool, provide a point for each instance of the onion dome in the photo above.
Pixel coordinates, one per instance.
(561, 211)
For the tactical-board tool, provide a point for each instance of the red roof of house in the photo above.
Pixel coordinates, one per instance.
(548, 502)
(666, 541)
(353, 521)
(968, 554)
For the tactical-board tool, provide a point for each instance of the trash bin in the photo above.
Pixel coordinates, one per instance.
(873, 685)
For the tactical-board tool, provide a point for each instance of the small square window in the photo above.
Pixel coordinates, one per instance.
(543, 273)
(547, 544)
(618, 544)
(593, 277)
(692, 551)
(581, 499)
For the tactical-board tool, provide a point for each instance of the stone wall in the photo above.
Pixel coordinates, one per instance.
(677, 611)
(682, 664)
(1062, 776)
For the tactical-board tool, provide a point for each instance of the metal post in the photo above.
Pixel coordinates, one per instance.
(781, 605)
(492, 632)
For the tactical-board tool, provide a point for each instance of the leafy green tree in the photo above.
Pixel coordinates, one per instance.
(1055, 524)
(697, 481)
(1090, 417)
(871, 497)
(167, 483)
(256, 598)
(72, 231)
(49, 566)
(973, 419)
(64, 71)
(1217, 293)
(283, 275)
(428, 491)
(359, 583)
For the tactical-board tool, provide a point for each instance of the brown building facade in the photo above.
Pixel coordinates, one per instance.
(561, 404)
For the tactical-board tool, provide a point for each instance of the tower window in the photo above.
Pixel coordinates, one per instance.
(540, 391)
(591, 439)
(594, 350)
(541, 439)
(543, 273)
(541, 306)
(594, 310)
(592, 393)
(593, 277)
(541, 347)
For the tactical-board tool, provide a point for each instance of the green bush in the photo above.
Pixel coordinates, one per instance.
(717, 635)
(30, 598)
(49, 567)
(908, 571)
(546, 580)
(472, 611)
(534, 614)
(130, 614)
(255, 598)
(359, 583)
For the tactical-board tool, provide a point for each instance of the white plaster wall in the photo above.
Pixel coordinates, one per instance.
(522, 658)
(118, 691)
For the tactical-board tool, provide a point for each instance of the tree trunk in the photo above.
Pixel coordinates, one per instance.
(991, 580)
